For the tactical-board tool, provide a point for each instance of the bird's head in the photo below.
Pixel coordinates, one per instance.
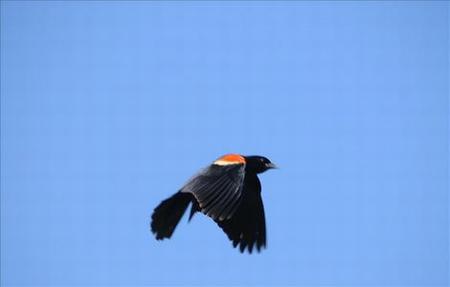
(258, 164)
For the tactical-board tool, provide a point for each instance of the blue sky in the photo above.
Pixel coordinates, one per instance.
(109, 107)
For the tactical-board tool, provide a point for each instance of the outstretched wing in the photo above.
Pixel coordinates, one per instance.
(247, 227)
(218, 189)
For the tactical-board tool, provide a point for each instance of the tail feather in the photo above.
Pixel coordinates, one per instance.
(168, 213)
(194, 208)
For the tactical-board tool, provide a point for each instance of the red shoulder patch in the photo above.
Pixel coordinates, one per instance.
(230, 159)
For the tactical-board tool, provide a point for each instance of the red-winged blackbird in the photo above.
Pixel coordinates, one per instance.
(229, 192)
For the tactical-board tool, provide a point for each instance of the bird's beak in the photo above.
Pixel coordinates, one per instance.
(271, 165)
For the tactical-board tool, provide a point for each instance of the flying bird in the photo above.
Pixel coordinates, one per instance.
(229, 192)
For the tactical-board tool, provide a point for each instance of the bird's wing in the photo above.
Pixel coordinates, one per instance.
(247, 227)
(218, 190)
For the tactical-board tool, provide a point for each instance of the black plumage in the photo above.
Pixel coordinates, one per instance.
(247, 227)
(229, 192)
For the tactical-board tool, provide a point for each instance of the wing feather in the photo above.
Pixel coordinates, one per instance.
(229, 201)
(214, 191)
(218, 189)
(215, 208)
(247, 227)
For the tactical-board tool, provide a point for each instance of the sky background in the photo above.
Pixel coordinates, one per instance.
(107, 108)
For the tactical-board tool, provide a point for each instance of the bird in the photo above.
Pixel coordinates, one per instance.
(229, 192)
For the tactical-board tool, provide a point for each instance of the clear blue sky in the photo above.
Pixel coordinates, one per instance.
(109, 107)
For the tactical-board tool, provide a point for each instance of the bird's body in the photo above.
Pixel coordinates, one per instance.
(229, 192)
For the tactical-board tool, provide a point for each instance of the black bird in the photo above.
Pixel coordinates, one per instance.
(229, 192)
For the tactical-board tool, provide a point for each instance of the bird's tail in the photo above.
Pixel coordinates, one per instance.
(168, 213)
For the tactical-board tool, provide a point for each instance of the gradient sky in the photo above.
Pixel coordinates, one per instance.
(107, 108)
